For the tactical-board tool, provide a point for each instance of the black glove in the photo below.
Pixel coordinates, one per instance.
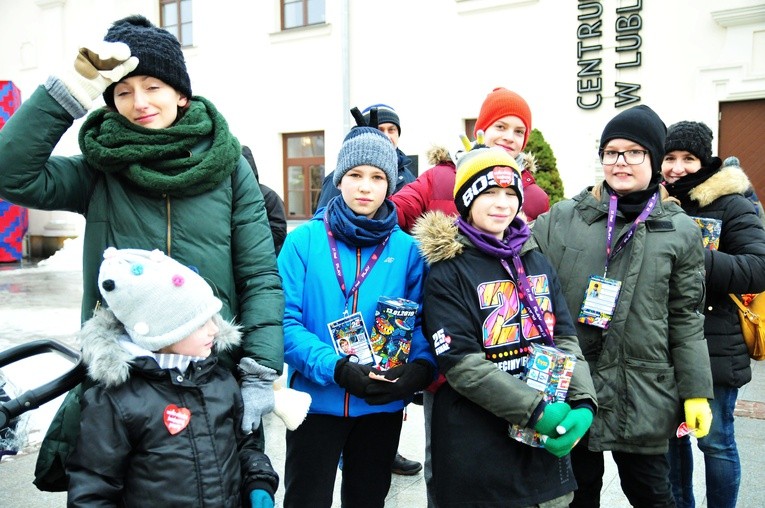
(352, 376)
(409, 378)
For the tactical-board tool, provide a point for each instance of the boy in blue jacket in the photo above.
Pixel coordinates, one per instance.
(335, 268)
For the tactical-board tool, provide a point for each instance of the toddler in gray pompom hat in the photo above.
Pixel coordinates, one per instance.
(157, 299)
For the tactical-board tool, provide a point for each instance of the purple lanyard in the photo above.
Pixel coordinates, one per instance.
(339, 268)
(628, 236)
(529, 300)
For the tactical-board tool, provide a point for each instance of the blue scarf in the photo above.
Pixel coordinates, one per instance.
(357, 230)
(516, 235)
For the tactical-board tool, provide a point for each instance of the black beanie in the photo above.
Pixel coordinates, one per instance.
(693, 137)
(159, 53)
(643, 126)
(385, 114)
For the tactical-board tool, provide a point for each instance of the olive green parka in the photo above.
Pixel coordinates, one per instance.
(654, 355)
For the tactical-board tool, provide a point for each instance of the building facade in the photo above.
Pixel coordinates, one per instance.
(286, 72)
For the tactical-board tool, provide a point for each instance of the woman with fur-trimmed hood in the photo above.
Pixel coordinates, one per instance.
(162, 424)
(488, 297)
(704, 188)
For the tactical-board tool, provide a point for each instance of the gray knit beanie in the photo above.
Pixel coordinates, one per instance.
(367, 146)
(159, 54)
(157, 299)
(693, 137)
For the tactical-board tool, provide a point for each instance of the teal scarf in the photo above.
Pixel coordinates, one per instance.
(160, 161)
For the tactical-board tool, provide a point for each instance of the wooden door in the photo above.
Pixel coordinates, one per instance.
(742, 133)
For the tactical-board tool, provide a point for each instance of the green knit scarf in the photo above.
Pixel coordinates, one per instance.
(160, 161)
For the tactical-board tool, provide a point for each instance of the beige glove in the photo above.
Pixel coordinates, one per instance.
(97, 67)
(290, 405)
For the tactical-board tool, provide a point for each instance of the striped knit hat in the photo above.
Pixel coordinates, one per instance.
(385, 114)
(481, 168)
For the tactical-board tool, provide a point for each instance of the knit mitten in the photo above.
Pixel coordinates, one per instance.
(552, 416)
(257, 392)
(97, 67)
(259, 498)
(571, 429)
(291, 405)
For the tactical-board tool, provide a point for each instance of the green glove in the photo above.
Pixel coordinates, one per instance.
(698, 415)
(552, 416)
(96, 68)
(571, 429)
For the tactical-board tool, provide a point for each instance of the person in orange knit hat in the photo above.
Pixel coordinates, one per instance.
(505, 119)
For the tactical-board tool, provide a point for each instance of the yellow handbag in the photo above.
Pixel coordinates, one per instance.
(752, 317)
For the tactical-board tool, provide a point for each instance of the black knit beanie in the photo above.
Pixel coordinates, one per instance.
(159, 53)
(643, 126)
(693, 137)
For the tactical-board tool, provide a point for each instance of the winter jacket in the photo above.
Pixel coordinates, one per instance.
(127, 455)
(434, 190)
(653, 356)
(738, 266)
(474, 318)
(535, 199)
(277, 217)
(313, 299)
(224, 233)
(329, 190)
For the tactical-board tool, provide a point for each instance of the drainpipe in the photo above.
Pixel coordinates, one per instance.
(345, 63)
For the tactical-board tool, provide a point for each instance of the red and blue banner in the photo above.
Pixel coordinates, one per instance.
(14, 220)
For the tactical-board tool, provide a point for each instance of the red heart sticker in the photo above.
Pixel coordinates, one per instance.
(503, 176)
(176, 418)
(549, 318)
(683, 430)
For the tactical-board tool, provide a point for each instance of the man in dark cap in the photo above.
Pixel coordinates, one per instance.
(389, 124)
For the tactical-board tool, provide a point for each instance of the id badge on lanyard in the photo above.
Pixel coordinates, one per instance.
(602, 292)
(349, 334)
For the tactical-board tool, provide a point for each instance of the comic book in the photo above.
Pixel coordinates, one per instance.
(548, 370)
(392, 331)
(710, 231)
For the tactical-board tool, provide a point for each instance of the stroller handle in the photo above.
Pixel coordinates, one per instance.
(32, 399)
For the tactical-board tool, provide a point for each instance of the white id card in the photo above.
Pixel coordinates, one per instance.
(599, 301)
(349, 336)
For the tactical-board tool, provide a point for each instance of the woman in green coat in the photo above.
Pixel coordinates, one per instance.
(159, 170)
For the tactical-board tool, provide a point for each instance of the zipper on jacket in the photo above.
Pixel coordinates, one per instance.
(354, 307)
(169, 228)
